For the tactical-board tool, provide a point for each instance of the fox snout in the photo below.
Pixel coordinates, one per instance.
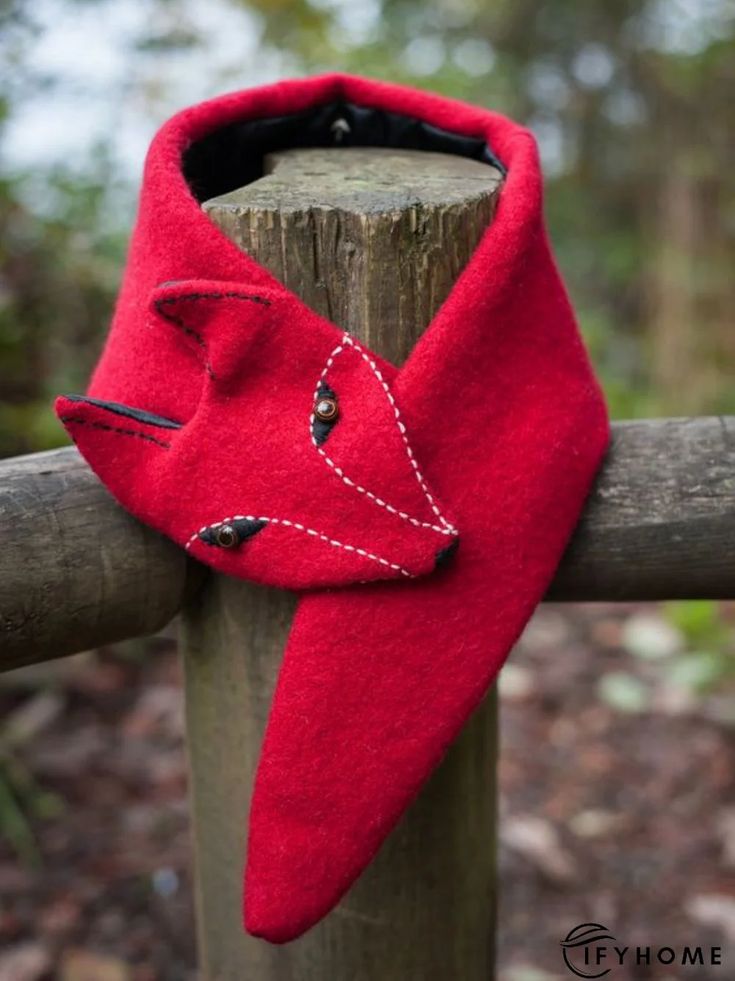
(295, 469)
(233, 533)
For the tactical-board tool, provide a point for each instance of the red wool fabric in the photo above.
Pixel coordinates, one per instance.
(248, 452)
(456, 481)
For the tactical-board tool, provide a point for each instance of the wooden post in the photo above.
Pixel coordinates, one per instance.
(372, 239)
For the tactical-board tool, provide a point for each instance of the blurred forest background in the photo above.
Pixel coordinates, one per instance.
(632, 103)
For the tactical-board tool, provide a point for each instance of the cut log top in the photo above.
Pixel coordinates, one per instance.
(363, 182)
(335, 225)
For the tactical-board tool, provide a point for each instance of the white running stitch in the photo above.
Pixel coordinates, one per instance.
(447, 528)
(309, 531)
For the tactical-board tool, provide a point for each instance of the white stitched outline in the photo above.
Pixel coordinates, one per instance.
(309, 531)
(447, 528)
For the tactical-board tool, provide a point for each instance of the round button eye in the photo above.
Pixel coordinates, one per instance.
(226, 536)
(326, 409)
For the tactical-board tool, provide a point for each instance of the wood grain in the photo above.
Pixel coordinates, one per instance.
(77, 571)
(660, 523)
(374, 240)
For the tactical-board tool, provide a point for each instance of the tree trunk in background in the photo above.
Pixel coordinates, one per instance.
(691, 296)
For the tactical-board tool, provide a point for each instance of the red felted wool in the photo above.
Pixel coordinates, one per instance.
(204, 419)
(245, 482)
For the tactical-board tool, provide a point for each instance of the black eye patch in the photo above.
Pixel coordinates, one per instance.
(323, 423)
(230, 534)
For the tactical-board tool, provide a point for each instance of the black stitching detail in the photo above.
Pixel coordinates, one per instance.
(129, 411)
(114, 429)
(182, 325)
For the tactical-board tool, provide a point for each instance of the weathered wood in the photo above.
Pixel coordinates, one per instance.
(374, 242)
(373, 239)
(76, 571)
(661, 521)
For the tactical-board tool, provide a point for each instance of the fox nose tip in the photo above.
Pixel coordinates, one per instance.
(444, 555)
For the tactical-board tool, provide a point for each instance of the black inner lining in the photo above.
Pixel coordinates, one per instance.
(233, 155)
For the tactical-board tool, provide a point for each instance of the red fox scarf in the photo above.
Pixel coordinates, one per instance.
(272, 446)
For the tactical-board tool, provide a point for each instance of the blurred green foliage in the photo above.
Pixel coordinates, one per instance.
(22, 800)
(631, 102)
(699, 622)
(60, 268)
(710, 641)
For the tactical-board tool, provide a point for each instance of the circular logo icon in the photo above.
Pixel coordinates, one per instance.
(580, 950)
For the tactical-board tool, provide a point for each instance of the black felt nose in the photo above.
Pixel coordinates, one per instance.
(444, 555)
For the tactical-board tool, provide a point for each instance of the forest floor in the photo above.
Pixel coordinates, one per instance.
(617, 801)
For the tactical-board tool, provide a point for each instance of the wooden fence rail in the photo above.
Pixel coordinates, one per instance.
(374, 240)
(76, 571)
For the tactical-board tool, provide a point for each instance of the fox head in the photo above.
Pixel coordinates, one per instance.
(295, 469)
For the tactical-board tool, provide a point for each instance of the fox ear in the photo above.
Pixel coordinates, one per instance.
(126, 447)
(218, 321)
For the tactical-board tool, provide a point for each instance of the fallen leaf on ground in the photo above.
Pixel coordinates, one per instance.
(85, 965)
(714, 910)
(26, 962)
(538, 842)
